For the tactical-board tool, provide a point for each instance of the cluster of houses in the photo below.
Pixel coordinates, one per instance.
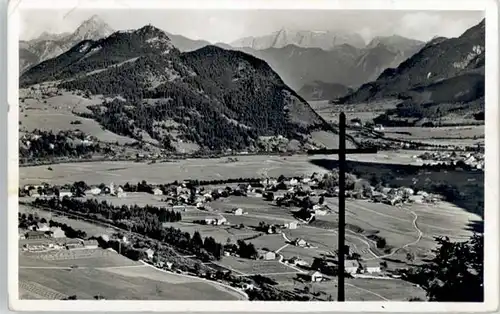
(352, 267)
(47, 190)
(54, 243)
(474, 160)
(401, 195)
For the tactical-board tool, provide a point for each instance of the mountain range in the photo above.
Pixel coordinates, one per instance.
(215, 98)
(325, 40)
(300, 58)
(444, 71)
(47, 45)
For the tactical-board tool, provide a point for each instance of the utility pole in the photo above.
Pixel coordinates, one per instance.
(342, 152)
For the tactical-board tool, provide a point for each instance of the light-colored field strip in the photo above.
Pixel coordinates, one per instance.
(79, 267)
(237, 291)
(266, 274)
(231, 269)
(41, 291)
(281, 248)
(369, 291)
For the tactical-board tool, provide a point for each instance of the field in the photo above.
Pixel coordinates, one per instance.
(356, 289)
(407, 229)
(364, 112)
(121, 172)
(460, 136)
(245, 267)
(89, 228)
(56, 114)
(111, 276)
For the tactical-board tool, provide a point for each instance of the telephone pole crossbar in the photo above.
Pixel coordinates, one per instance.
(342, 152)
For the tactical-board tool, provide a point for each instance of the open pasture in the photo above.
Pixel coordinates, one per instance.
(373, 290)
(92, 258)
(419, 133)
(252, 205)
(90, 228)
(56, 114)
(246, 267)
(121, 172)
(324, 242)
(146, 283)
(356, 289)
(465, 189)
(365, 112)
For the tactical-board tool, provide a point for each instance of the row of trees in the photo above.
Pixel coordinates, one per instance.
(46, 144)
(146, 221)
(69, 231)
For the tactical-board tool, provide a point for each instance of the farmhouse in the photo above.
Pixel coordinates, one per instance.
(291, 225)
(314, 276)
(57, 232)
(218, 221)
(267, 255)
(104, 237)
(93, 191)
(373, 269)
(62, 194)
(90, 244)
(149, 253)
(300, 242)
(157, 191)
(297, 261)
(181, 208)
(35, 235)
(351, 266)
(74, 244)
(238, 211)
(33, 193)
(43, 227)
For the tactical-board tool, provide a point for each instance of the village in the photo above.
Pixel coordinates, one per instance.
(308, 196)
(472, 160)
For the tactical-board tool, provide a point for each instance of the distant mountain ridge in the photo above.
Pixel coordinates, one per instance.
(215, 98)
(344, 64)
(439, 60)
(320, 91)
(298, 66)
(325, 40)
(47, 45)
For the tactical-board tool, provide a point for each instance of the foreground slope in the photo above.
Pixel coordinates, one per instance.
(215, 98)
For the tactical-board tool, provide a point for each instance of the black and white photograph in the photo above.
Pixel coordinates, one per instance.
(224, 154)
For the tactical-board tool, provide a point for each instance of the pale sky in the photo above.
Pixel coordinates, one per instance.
(229, 25)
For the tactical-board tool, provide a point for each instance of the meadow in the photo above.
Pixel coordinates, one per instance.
(112, 277)
(57, 113)
(262, 166)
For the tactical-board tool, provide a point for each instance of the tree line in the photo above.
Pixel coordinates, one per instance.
(142, 220)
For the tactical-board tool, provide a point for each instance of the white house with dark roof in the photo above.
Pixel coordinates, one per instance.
(267, 255)
(314, 276)
(237, 211)
(351, 266)
(149, 253)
